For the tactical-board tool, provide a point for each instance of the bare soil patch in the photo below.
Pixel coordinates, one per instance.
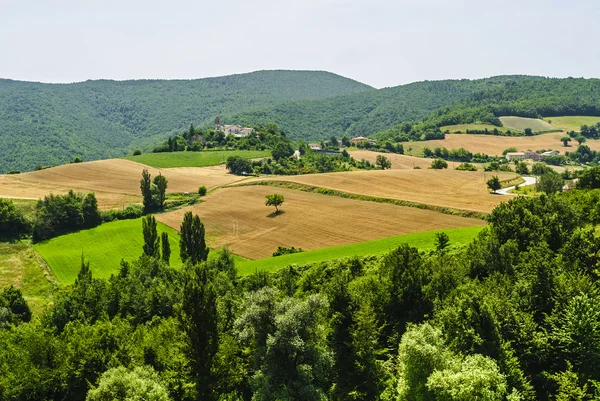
(237, 217)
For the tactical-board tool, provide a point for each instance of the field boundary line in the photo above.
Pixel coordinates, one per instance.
(368, 198)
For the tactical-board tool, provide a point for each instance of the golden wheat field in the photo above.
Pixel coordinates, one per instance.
(399, 162)
(495, 145)
(466, 190)
(237, 217)
(116, 182)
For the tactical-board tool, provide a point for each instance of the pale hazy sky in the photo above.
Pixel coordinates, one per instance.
(378, 42)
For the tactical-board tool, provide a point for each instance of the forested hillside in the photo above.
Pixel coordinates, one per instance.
(438, 102)
(44, 124)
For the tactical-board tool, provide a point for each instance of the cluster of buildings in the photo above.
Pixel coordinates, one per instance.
(235, 130)
(530, 155)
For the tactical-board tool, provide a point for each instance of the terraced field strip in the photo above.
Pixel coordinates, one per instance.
(238, 218)
(194, 159)
(422, 240)
(399, 162)
(572, 123)
(116, 182)
(450, 189)
(462, 128)
(495, 145)
(520, 123)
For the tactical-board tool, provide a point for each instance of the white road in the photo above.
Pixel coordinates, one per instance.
(528, 181)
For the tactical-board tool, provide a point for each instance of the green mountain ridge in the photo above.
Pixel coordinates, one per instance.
(44, 124)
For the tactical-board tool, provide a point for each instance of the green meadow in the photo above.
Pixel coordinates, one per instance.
(572, 123)
(103, 246)
(194, 159)
(462, 128)
(423, 241)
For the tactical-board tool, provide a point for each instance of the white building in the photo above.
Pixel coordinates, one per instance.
(235, 130)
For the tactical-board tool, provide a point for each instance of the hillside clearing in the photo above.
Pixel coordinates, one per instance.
(464, 190)
(494, 145)
(421, 240)
(116, 182)
(194, 159)
(103, 246)
(520, 123)
(572, 123)
(22, 267)
(237, 217)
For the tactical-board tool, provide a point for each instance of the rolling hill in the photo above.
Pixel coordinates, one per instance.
(46, 124)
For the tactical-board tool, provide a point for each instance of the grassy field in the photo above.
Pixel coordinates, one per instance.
(22, 267)
(238, 218)
(103, 247)
(495, 145)
(464, 190)
(116, 182)
(194, 159)
(399, 162)
(520, 123)
(422, 240)
(462, 128)
(572, 123)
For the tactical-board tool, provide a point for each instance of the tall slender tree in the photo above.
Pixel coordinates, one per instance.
(146, 188)
(192, 243)
(165, 247)
(161, 183)
(151, 240)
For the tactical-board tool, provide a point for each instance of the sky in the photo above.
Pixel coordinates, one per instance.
(377, 42)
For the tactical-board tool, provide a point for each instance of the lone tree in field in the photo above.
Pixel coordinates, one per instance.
(165, 247)
(439, 164)
(274, 200)
(383, 162)
(494, 183)
(151, 240)
(192, 243)
(565, 140)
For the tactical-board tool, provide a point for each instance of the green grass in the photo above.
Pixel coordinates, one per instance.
(462, 128)
(103, 246)
(194, 159)
(22, 267)
(572, 123)
(422, 240)
(520, 123)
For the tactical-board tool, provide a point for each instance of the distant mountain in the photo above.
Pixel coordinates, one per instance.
(438, 102)
(44, 124)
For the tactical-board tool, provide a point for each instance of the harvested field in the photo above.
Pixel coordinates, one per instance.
(399, 162)
(520, 123)
(465, 190)
(573, 123)
(116, 182)
(495, 145)
(237, 217)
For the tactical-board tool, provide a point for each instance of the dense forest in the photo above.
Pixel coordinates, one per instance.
(46, 124)
(515, 315)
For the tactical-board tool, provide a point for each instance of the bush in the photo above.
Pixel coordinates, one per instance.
(130, 212)
(282, 250)
(439, 164)
(12, 222)
(137, 152)
(77, 159)
(202, 190)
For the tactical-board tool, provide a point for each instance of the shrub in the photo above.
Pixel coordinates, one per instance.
(137, 152)
(202, 190)
(130, 212)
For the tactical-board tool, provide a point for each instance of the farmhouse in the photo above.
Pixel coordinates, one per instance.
(235, 130)
(529, 155)
(360, 139)
(314, 146)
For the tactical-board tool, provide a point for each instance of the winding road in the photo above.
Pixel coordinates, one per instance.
(528, 181)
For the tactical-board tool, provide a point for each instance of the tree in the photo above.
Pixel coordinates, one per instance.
(522, 168)
(146, 188)
(12, 222)
(334, 142)
(151, 240)
(346, 141)
(439, 164)
(580, 139)
(202, 190)
(199, 320)
(89, 208)
(565, 140)
(192, 243)
(589, 179)
(494, 183)
(528, 132)
(141, 383)
(161, 183)
(165, 247)
(442, 240)
(550, 182)
(383, 162)
(238, 165)
(274, 200)
(282, 150)
(539, 169)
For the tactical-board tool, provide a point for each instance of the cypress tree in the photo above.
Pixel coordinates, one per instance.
(166, 247)
(192, 241)
(151, 240)
(145, 186)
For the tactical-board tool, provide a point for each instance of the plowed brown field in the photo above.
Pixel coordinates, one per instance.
(115, 182)
(466, 190)
(237, 217)
(495, 145)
